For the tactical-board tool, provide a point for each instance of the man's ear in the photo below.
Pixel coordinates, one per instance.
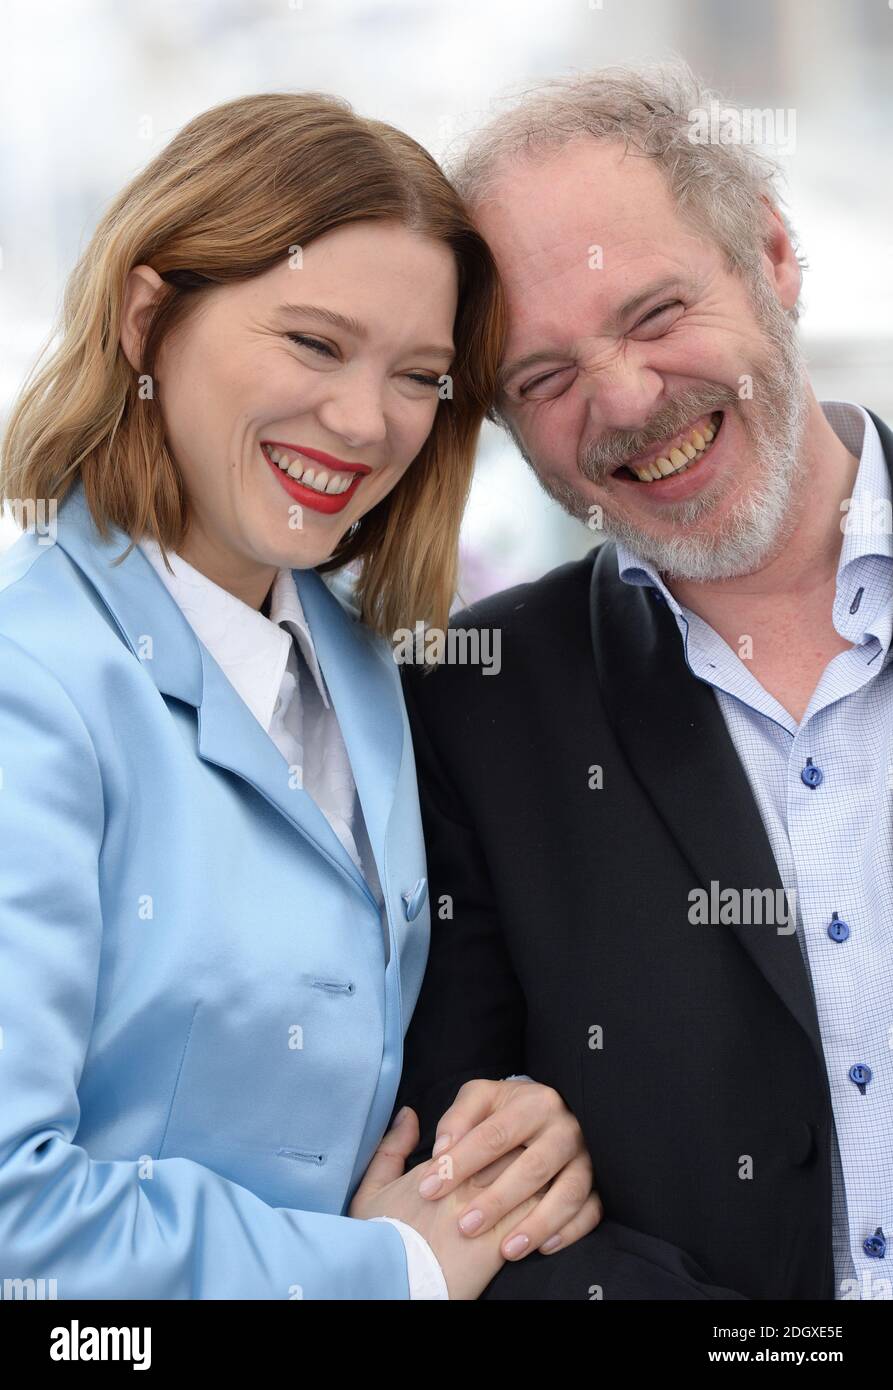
(780, 259)
(141, 290)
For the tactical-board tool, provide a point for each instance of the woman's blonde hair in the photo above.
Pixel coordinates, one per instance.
(225, 200)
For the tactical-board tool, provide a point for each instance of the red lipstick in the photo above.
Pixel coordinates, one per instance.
(326, 502)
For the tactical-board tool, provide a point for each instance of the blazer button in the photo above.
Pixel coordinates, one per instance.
(414, 899)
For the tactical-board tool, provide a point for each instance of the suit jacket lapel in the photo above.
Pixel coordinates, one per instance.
(154, 628)
(687, 764)
(886, 439)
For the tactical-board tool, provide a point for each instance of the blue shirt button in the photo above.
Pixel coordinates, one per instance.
(860, 1074)
(811, 774)
(838, 929)
(876, 1245)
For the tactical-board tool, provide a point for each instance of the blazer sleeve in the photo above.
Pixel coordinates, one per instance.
(108, 1229)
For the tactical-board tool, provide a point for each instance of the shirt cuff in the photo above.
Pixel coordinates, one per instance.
(422, 1265)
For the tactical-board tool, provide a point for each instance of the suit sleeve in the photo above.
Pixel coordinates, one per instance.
(469, 1022)
(469, 1019)
(170, 1229)
(612, 1263)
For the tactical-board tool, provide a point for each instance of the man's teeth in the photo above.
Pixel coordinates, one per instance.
(319, 479)
(678, 460)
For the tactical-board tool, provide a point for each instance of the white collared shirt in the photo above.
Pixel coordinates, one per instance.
(259, 657)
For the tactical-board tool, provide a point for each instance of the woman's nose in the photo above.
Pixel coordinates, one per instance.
(355, 412)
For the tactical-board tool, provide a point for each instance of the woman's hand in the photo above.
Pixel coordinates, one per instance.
(491, 1119)
(468, 1266)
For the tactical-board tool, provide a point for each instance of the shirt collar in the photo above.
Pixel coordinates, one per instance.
(251, 649)
(872, 497)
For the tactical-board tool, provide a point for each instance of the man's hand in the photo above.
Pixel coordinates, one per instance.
(468, 1266)
(492, 1119)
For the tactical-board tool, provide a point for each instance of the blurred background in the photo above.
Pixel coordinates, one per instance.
(90, 90)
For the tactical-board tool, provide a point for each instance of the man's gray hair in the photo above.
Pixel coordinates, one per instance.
(652, 110)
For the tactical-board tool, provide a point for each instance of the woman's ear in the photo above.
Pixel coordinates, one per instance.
(141, 290)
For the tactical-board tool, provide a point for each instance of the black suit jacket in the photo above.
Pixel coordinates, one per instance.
(703, 1098)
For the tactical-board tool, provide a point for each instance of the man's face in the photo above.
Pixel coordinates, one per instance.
(630, 341)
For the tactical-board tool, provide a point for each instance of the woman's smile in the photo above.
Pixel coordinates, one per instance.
(308, 477)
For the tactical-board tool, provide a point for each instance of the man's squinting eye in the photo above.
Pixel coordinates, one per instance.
(659, 319)
(551, 382)
(655, 322)
(303, 340)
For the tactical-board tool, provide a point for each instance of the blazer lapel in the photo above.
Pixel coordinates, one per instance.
(156, 631)
(230, 736)
(688, 766)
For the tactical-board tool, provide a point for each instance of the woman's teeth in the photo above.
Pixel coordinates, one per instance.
(678, 460)
(319, 479)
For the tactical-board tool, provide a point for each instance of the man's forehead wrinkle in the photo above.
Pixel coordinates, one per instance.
(545, 264)
(624, 279)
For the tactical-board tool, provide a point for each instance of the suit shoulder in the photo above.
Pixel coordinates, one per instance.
(48, 609)
(537, 632)
(530, 604)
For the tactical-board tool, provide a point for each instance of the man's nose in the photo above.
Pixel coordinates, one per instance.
(622, 395)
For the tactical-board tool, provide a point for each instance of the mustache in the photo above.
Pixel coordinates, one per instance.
(602, 456)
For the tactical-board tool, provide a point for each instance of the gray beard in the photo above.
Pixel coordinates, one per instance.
(758, 526)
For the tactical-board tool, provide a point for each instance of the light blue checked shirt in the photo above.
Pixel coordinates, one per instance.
(833, 844)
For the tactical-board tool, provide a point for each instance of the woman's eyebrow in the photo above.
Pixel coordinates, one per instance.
(352, 325)
(329, 316)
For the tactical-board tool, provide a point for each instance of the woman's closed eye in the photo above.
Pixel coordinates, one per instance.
(316, 345)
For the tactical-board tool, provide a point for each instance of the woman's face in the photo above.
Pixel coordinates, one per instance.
(294, 401)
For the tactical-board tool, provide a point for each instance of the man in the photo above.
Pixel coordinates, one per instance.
(660, 844)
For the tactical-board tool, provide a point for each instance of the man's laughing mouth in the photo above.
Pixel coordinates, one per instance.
(674, 456)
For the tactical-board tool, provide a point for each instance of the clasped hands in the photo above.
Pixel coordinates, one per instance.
(509, 1173)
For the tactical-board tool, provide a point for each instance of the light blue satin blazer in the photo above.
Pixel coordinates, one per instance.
(202, 1016)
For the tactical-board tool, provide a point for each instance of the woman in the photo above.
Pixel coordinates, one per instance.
(213, 916)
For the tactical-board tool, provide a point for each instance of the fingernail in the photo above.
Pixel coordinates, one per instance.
(551, 1244)
(443, 1143)
(401, 1116)
(470, 1221)
(431, 1185)
(515, 1246)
